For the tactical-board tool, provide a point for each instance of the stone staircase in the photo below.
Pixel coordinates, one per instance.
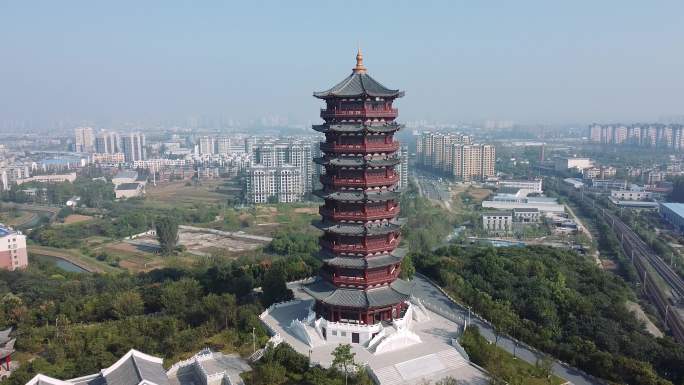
(388, 375)
(451, 358)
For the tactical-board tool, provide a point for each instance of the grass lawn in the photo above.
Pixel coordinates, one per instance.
(179, 193)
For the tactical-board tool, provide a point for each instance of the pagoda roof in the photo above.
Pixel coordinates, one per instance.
(386, 295)
(4, 335)
(358, 84)
(371, 262)
(358, 196)
(356, 161)
(7, 348)
(133, 368)
(344, 228)
(358, 127)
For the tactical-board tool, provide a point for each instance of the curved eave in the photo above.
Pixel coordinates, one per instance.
(358, 162)
(353, 128)
(386, 295)
(369, 262)
(358, 196)
(360, 229)
(357, 85)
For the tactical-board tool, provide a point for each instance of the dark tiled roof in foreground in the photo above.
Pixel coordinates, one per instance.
(326, 292)
(356, 127)
(371, 262)
(4, 335)
(358, 84)
(131, 369)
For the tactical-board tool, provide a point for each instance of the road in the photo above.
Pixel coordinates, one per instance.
(428, 293)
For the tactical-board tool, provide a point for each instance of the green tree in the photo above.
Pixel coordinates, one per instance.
(127, 303)
(343, 359)
(274, 288)
(408, 270)
(167, 234)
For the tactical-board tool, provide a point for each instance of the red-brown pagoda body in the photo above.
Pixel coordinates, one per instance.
(358, 281)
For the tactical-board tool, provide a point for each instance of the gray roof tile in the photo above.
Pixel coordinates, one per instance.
(358, 84)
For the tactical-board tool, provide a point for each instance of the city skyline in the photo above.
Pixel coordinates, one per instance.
(527, 62)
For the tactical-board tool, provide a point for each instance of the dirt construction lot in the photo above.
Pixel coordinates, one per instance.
(199, 242)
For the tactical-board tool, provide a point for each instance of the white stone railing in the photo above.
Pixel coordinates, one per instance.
(375, 340)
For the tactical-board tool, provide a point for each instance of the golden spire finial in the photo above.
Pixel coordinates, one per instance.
(359, 69)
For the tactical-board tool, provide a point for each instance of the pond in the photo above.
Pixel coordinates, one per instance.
(61, 263)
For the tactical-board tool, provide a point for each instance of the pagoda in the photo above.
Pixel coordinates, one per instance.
(358, 283)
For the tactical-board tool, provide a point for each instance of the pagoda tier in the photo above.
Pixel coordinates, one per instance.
(359, 282)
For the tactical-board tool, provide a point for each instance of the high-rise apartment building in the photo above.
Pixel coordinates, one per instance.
(274, 184)
(668, 136)
(281, 170)
(133, 147)
(206, 145)
(10, 175)
(84, 139)
(456, 155)
(107, 142)
(402, 167)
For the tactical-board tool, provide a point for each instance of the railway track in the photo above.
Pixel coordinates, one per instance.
(648, 264)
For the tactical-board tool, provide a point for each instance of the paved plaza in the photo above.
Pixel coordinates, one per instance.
(432, 359)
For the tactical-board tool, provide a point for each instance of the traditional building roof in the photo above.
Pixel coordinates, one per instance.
(358, 127)
(132, 369)
(4, 334)
(357, 161)
(371, 262)
(359, 83)
(386, 295)
(358, 196)
(353, 229)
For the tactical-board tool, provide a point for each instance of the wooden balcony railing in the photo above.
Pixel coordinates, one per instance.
(368, 181)
(357, 215)
(360, 113)
(360, 148)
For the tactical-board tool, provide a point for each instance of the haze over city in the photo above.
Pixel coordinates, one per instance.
(351, 192)
(527, 61)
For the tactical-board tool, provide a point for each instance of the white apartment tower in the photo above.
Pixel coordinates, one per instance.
(133, 147)
(107, 142)
(84, 139)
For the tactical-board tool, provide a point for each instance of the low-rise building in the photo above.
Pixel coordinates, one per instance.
(533, 186)
(13, 255)
(497, 221)
(526, 215)
(631, 195)
(125, 176)
(607, 184)
(51, 178)
(129, 190)
(563, 164)
(674, 214)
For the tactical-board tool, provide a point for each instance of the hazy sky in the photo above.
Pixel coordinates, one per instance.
(530, 61)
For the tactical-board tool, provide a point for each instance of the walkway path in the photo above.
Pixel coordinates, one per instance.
(429, 293)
